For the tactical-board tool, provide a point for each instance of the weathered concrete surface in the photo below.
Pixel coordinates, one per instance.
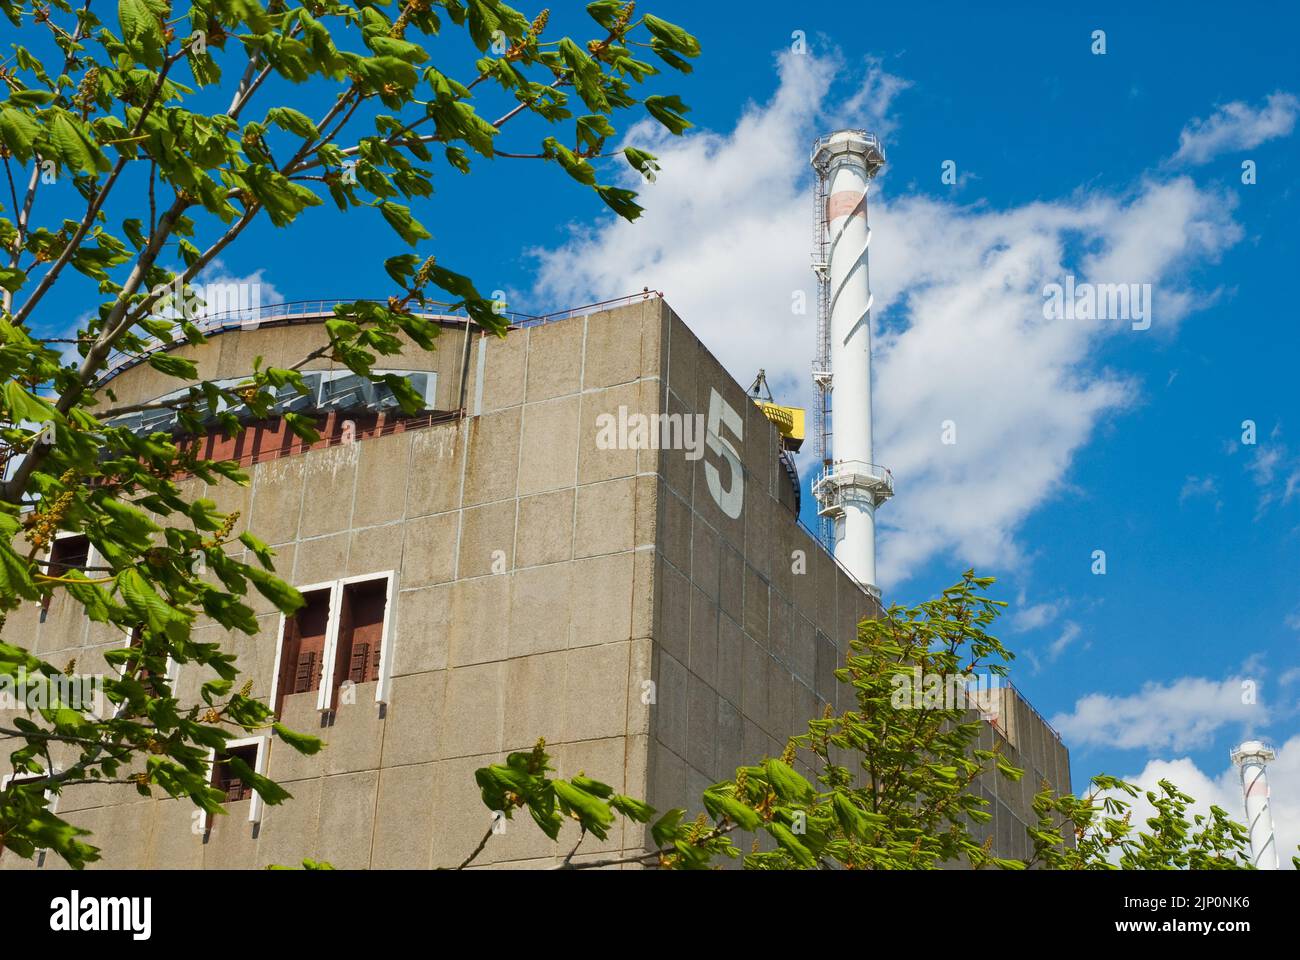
(544, 587)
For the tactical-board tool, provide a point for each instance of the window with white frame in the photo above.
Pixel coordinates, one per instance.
(339, 637)
(68, 552)
(232, 779)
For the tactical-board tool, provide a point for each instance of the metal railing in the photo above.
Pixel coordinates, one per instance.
(1030, 707)
(308, 310)
(831, 482)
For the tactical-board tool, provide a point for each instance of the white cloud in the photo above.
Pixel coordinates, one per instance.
(1269, 462)
(1033, 617)
(1224, 790)
(1237, 126)
(958, 293)
(217, 274)
(1194, 487)
(1181, 715)
(1070, 632)
(869, 104)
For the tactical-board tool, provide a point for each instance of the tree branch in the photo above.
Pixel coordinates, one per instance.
(479, 849)
(92, 211)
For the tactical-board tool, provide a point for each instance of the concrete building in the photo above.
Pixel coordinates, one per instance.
(494, 571)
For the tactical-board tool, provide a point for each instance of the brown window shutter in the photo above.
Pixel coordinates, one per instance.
(357, 674)
(308, 677)
(234, 790)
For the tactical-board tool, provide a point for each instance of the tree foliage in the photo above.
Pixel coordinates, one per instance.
(152, 111)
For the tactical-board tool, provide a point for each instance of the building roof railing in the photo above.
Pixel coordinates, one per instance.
(308, 311)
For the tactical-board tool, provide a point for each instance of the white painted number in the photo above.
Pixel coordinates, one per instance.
(721, 414)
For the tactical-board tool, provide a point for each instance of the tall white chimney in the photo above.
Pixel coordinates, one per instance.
(1253, 757)
(851, 486)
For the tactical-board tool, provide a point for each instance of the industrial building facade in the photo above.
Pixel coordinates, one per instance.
(499, 570)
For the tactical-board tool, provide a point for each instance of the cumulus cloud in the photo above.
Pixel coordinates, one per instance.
(1224, 790)
(217, 275)
(959, 294)
(1181, 715)
(1237, 126)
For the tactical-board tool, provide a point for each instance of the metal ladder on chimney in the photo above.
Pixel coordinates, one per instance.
(821, 366)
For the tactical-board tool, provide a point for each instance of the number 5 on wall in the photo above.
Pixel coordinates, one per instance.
(721, 414)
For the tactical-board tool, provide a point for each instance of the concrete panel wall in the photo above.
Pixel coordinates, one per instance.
(523, 556)
(752, 617)
(544, 586)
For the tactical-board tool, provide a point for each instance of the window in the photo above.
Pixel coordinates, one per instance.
(338, 638)
(361, 632)
(302, 647)
(67, 553)
(252, 752)
(227, 779)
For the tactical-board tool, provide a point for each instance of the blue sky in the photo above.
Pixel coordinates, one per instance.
(1122, 167)
(1131, 444)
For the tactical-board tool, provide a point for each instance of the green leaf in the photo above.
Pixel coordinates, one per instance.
(259, 549)
(621, 201)
(286, 598)
(665, 828)
(586, 76)
(141, 31)
(26, 406)
(303, 427)
(294, 121)
(668, 111)
(720, 803)
(400, 219)
(302, 742)
(142, 601)
(174, 366)
(410, 399)
(402, 267)
(791, 845)
(593, 787)
(644, 163)
(852, 820)
(18, 132)
(631, 808)
(672, 36)
(605, 12)
(592, 812)
(788, 784)
(30, 98)
(73, 143)
(15, 575)
(267, 789)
